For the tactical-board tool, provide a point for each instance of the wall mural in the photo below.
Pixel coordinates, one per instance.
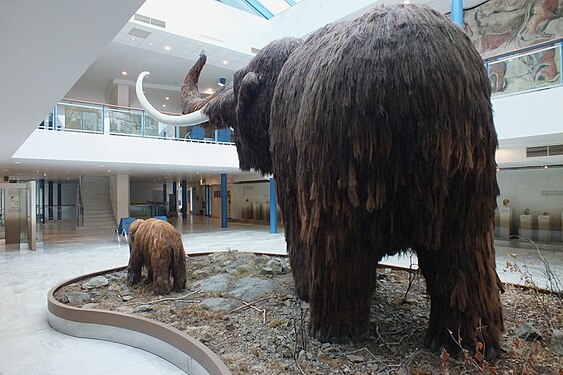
(501, 26)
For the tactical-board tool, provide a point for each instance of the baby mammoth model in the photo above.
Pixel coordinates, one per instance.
(157, 245)
(379, 133)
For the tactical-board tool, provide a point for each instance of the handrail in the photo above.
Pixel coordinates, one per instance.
(123, 121)
(522, 50)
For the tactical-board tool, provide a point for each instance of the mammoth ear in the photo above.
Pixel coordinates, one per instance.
(248, 89)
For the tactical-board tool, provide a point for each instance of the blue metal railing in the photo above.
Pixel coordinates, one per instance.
(96, 118)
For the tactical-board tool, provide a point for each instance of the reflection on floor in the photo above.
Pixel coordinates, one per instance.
(30, 346)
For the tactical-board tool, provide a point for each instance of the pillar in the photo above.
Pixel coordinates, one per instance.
(273, 207)
(50, 200)
(184, 199)
(224, 207)
(59, 201)
(457, 12)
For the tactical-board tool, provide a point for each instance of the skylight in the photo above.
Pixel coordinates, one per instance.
(262, 8)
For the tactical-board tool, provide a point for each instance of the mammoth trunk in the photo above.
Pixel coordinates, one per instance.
(219, 106)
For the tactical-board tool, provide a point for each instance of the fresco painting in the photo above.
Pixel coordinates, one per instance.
(501, 26)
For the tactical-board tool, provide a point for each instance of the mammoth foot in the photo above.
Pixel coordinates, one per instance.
(339, 337)
(455, 345)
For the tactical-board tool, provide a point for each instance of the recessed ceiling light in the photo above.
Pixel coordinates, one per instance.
(406, 2)
(165, 177)
(44, 174)
(166, 98)
(17, 162)
(150, 44)
(37, 171)
(68, 178)
(164, 105)
(167, 48)
(101, 165)
(225, 62)
(124, 73)
(545, 166)
(109, 170)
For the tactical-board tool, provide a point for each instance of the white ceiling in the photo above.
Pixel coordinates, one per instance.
(74, 48)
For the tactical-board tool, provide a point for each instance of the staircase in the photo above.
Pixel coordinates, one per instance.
(98, 212)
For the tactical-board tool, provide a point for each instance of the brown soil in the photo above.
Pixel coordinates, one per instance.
(270, 336)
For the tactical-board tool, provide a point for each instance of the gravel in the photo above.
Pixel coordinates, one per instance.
(266, 333)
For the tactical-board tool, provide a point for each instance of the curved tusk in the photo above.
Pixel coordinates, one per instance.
(189, 119)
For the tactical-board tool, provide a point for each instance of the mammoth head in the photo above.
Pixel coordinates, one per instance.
(243, 105)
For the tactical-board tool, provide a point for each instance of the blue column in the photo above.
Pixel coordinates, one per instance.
(224, 197)
(184, 199)
(457, 12)
(273, 207)
(50, 200)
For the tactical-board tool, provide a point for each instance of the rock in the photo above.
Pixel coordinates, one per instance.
(232, 271)
(556, 341)
(301, 356)
(527, 331)
(96, 282)
(216, 283)
(127, 298)
(267, 271)
(142, 308)
(356, 358)
(286, 353)
(251, 288)
(304, 305)
(219, 304)
(76, 298)
(90, 306)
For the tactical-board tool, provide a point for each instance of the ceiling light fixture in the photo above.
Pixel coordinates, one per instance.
(164, 105)
(167, 48)
(166, 98)
(225, 62)
(17, 162)
(124, 73)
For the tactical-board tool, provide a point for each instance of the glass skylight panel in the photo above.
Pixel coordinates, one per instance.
(275, 6)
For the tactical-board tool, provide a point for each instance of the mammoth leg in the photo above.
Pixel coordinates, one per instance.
(464, 288)
(178, 268)
(161, 274)
(341, 285)
(299, 268)
(286, 192)
(135, 266)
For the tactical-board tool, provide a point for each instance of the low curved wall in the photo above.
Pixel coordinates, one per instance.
(178, 348)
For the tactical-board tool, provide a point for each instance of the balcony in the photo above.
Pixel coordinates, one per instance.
(95, 118)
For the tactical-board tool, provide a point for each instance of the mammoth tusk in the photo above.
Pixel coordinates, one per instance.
(189, 119)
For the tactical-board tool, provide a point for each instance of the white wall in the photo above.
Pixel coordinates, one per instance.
(249, 197)
(119, 194)
(535, 113)
(142, 192)
(539, 190)
(97, 148)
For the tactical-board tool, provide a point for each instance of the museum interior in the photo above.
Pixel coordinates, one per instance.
(80, 156)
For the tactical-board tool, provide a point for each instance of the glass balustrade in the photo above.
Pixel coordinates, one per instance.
(87, 117)
(528, 69)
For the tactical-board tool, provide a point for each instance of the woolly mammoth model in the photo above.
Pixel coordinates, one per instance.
(157, 246)
(379, 133)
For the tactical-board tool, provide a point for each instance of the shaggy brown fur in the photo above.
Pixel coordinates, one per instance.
(381, 139)
(157, 245)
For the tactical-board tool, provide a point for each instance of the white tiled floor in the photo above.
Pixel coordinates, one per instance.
(29, 346)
